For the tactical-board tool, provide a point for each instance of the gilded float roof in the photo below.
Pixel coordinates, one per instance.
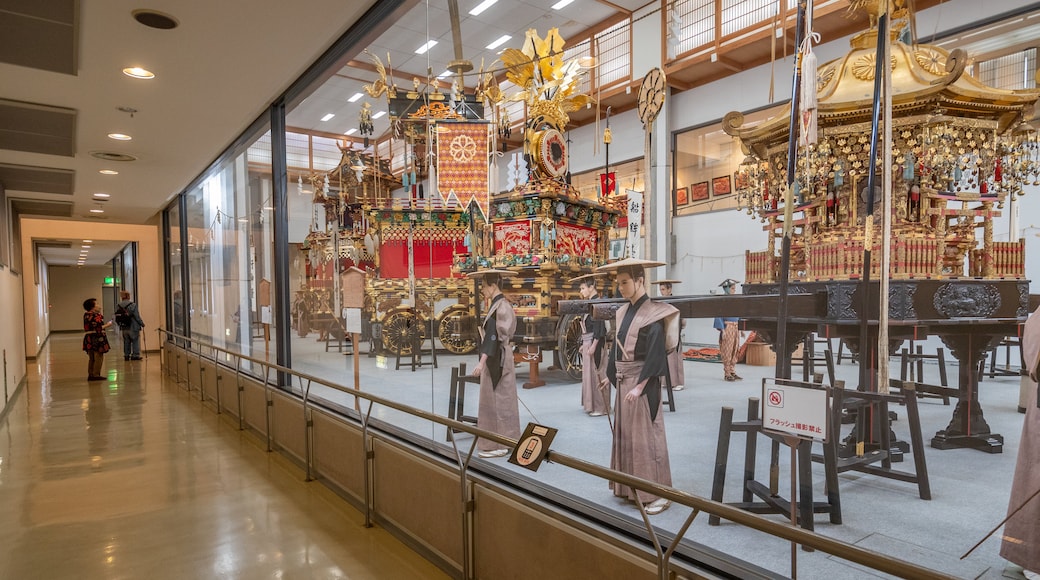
(926, 80)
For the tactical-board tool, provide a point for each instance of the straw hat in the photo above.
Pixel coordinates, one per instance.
(587, 277)
(667, 282)
(483, 273)
(627, 262)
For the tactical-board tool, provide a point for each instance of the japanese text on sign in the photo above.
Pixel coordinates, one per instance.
(633, 245)
(798, 409)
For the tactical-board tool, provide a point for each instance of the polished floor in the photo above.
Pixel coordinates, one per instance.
(131, 477)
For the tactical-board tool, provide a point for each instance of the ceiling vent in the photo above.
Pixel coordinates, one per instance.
(155, 19)
(112, 156)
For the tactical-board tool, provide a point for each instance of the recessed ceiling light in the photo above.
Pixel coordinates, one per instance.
(355, 97)
(328, 116)
(351, 132)
(97, 210)
(88, 241)
(501, 40)
(86, 246)
(429, 44)
(444, 74)
(138, 73)
(561, 4)
(108, 172)
(379, 114)
(482, 7)
(119, 136)
(102, 195)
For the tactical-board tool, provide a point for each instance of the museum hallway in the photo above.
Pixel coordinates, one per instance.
(131, 477)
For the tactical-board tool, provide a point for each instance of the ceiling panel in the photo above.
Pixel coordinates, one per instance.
(40, 35)
(36, 128)
(40, 207)
(37, 179)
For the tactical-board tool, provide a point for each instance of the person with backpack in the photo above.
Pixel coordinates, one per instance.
(130, 325)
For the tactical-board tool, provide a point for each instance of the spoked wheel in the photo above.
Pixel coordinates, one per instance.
(402, 331)
(570, 345)
(456, 330)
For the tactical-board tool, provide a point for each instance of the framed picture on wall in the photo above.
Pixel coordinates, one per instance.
(740, 181)
(699, 191)
(721, 186)
(682, 196)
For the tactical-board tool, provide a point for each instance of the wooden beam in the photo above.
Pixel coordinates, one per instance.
(758, 307)
(621, 9)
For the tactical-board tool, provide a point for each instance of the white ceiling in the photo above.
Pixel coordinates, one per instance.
(92, 252)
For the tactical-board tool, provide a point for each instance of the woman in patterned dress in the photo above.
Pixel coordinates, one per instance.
(95, 341)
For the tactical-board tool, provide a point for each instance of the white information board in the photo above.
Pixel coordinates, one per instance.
(798, 409)
(352, 320)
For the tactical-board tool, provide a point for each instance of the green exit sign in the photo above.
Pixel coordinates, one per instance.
(109, 280)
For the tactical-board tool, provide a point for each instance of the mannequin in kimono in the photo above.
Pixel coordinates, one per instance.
(636, 366)
(676, 371)
(499, 410)
(594, 400)
(1021, 538)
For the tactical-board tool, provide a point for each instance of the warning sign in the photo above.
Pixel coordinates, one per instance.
(795, 408)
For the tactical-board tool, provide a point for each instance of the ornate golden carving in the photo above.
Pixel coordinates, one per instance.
(931, 60)
(863, 67)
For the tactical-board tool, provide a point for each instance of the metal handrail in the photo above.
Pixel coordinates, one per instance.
(835, 547)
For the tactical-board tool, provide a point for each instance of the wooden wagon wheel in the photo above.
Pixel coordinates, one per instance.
(457, 329)
(402, 329)
(569, 345)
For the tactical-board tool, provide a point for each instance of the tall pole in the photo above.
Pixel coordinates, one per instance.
(783, 361)
(868, 227)
(886, 236)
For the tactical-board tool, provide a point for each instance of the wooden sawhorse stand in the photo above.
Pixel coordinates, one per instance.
(770, 500)
(457, 397)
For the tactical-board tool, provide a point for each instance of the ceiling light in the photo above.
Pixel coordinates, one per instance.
(429, 44)
(97, 210)
(88, 241)
(561, 4)
(355, 98)
(501, 40)
(102, 195)
(108, 172)
(328, 116)
(86, 246)
(379, 114)
(351, 132)
(482, 7)
(445, 74)
(138, 73)
(119, 136)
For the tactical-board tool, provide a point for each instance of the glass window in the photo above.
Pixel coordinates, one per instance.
(175, 311)
(706, 159)
(229, 217)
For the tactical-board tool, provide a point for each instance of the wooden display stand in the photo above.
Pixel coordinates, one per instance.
(768, 498)
(533, 355)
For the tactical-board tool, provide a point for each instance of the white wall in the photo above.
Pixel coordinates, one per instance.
(150, 276)
(11, 344)
(69, 286)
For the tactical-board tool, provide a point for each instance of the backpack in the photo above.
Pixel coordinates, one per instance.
(122, 317)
